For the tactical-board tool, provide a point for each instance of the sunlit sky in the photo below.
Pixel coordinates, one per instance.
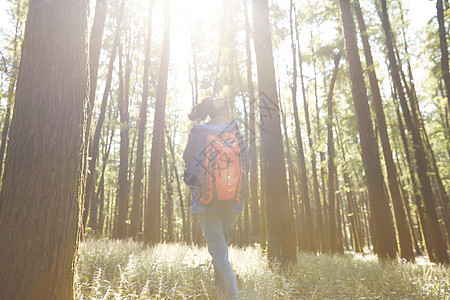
(420, 11)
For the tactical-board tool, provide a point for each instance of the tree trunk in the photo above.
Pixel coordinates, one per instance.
(438, 244)
(333, 235)
(384, 235)
(136, 222)
(100, 195)
(124, 185)
(404, 237)
(40, 200)
(309, 230)
(185, 230)
(93, 146)
(319, 220)
(168, 203)
(292, 189)
(152, 218)
(280, 223)
(254, 206)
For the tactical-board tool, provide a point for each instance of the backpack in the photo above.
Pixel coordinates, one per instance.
(223, 164)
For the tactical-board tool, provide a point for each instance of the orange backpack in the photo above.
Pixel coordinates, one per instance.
(223, 168)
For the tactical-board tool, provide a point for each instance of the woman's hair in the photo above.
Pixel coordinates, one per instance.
(209, 106)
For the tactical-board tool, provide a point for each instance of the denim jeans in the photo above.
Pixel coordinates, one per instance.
(216, 227)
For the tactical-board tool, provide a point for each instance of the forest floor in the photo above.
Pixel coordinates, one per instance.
(130, 270)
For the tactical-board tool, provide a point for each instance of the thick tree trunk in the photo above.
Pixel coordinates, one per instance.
(136, 222)
(152, 218)
(280, 222)
(384, 235)
(438, 244)
(404, 237)
(40, 201)
(254, 205)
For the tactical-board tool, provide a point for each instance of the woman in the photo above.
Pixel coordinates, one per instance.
(203, 157)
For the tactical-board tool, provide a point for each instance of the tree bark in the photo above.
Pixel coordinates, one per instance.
(41, 198)
(280, 223)
(384, 235)
(438, 244)
(136, 222)
(152, 218)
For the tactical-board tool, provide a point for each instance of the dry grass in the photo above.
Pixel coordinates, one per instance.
(130, 270)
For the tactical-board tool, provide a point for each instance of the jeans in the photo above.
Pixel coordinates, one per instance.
(216, 227)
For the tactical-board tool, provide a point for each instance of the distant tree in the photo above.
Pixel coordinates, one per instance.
(152, 218)
(94, 141)
(280, 223)
(384, 238)
(254, 205)
(12, 81)
(123, 105)
(444, 49)
(404, 235)
(310, 230)
(438, 245)
(41, 199)
(136, 222)
(332, 224)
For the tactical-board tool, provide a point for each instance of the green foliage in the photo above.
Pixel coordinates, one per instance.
(130, 270)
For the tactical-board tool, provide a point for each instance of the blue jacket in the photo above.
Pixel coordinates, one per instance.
(194, 157)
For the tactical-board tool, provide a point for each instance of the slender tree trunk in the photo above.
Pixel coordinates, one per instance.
(333, 234)
(254, 206)
(124, 185)
(136, 222)
(309, 231)
(152, 218)
(93, 146)
(384, 235)
(280, 222)
(416, 194)
(439, 246)
(41, 198)
(355, 227)
(168, 203)
(186, 231)
(319, 221)
(100, 195)
(404, 238)
(292, 189)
